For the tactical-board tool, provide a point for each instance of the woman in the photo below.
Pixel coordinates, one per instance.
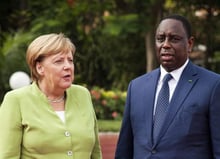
(51, 118)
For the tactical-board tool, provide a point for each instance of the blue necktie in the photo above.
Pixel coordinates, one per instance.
(161, 106)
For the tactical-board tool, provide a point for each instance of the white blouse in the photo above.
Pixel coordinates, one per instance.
(61, 115)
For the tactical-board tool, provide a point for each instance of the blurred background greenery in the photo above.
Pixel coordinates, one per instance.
(109, 104)
(109, 125)
(114, 39)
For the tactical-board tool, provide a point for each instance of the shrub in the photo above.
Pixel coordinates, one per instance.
(109, 125)
(108, 104)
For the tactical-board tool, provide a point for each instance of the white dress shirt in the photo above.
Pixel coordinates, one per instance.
(172, 83)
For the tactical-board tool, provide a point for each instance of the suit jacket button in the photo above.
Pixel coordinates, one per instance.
(69, 153)
(153, 151)
(67, 134)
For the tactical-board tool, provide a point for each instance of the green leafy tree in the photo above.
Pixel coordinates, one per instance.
(114, 38)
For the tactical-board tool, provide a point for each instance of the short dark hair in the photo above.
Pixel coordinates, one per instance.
(183, 20)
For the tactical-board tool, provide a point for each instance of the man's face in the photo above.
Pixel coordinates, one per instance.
(172, 44)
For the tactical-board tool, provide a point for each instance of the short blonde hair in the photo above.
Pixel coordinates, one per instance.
(44, 46)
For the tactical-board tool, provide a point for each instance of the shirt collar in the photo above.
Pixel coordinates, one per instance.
(175, 73)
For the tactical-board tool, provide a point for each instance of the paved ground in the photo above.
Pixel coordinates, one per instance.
(108, 143)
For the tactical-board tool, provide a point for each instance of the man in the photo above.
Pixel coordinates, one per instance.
(189, 125)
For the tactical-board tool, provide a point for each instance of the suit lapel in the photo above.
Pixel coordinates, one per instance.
(186, 82)
(150, 86)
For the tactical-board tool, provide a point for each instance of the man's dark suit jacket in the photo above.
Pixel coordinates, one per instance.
(192, 126)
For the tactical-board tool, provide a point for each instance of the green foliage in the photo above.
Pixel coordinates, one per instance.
(110, 36)
(108, 104)
(103, 62)
(109, 125)
(170, 4)
(15, 42)
(13, 57)
(118, 25)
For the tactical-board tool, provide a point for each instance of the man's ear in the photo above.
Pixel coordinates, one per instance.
(190, 43)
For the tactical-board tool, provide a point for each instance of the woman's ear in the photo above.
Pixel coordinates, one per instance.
(39, 68)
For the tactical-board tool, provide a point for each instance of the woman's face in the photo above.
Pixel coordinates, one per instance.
(57, 71)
